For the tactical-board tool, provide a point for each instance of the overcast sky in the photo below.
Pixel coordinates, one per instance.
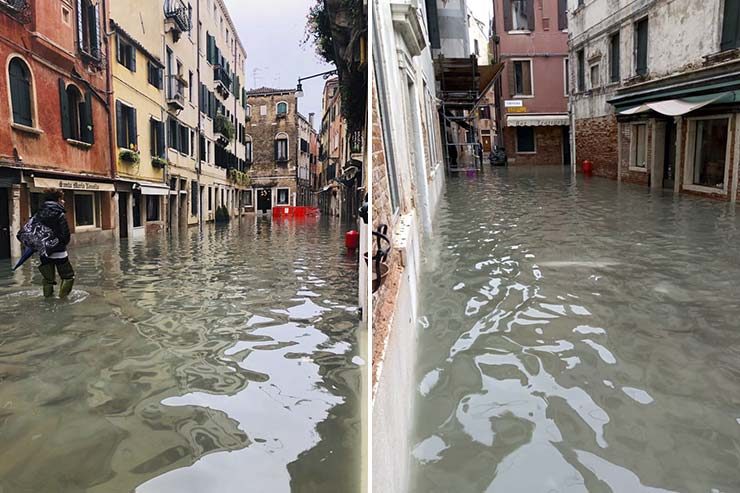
(271, 32)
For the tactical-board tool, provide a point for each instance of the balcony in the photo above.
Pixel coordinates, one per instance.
(19, 9)
(355, 142)
(176, 92)
(178, 15)
(223, 80)
(224, 129)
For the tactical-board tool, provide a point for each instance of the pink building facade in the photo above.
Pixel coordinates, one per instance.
(531, 39)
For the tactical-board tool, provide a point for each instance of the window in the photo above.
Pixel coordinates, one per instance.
(152, 208)
(126, 53)
(476, 49)
(156, 134)
(523, 85)
(248, 149)
(210, 199)
(194, 198)
(88, 28)
(283, 196)
(192, 144)
(85, 213)
(248, 110)
(566, 75)
(190, 86)
(595, 82)
(179, 136)
(614, 54)
(639, 146)
(154, 75)
(20, 92)
(641, 47)
(731, 25)
(485, 112)
(519, 15)
(710, 152)
(562, 15)
(76, 112)
(136, 213)
(581, 76)
(282, 109)
(263, 110)
(126, 133)
(525, 141)
(281, 148)
(248, 198)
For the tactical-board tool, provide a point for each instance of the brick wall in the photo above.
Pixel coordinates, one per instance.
(548, 144)
(596, 140)
(263, 129)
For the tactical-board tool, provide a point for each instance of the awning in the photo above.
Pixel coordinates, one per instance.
(678, 107)
(537, 120)
(151, 189)
(72, 184)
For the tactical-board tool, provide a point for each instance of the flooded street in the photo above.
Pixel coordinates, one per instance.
(222, 363)
(578, 338)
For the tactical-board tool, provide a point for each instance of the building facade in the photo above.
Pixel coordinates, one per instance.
(408, 175)
(332, 139)
(273, 130)
(306, 135)
(655, 93)
(54, 117)
(532, 42)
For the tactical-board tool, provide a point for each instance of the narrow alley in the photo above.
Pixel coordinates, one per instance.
(577, 336)
(181, 364)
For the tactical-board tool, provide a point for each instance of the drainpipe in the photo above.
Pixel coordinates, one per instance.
(199, 164)
(112, 145)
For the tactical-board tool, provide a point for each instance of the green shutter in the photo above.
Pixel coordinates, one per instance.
(120, 126)
(161, 152)
(64, 107)
(92, 18)
(86, 120)
(731, 25)
(133, 136)
(20, 92)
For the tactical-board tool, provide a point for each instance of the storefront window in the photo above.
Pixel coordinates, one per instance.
(84, 209)
(152, 208)
(710, 152)
(248, 198)
(639, 146)
(282, 196)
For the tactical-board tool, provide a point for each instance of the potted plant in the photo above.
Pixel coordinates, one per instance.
(224, 127)
(130, 156)
(159, 162)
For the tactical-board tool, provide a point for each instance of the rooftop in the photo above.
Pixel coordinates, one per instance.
(266, 91)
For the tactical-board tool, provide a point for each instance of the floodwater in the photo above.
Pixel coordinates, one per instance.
(578, 337)
(226, 362)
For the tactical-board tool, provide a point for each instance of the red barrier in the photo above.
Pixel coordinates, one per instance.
(286, 211)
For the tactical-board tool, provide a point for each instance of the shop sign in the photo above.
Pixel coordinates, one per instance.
(513, 103)
(70, 184)
(517, 109)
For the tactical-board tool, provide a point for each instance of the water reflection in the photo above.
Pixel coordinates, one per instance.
(578, 338)
(192, 364)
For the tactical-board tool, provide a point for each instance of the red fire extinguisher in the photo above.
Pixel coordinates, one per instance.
(587, 167)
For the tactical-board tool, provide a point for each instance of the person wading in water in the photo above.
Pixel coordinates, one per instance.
(54, 259)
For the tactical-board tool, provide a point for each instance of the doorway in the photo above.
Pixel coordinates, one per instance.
(4, 224)
(123, 214)
(566, 146)
(264, 199)
(486, 141)
(669, 156)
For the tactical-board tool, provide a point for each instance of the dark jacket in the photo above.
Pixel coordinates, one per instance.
(53, 215)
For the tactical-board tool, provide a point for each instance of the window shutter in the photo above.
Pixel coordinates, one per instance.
(731, 25)
(132, 50)
(20, 93)
(120, 126)
(512, 78)
(642, 45)
(86, 117)
(133, 135)
(160, 140)
(80, 27)
(530, 14)
(507, 15)
(96, 32)
(276, 150)
(119, 49)
(92, 17)
(64, 106)
(160, 78)
(153, 144)
(562, 14)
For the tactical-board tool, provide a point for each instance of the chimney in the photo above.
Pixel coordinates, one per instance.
(310, 119)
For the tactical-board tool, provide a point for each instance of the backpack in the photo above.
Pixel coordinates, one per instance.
(37, 236)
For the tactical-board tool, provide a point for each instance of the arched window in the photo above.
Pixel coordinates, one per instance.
(76, 111)
(282, 108)
(248, 110)
(248, 148)
(21, 90)
(281, 147)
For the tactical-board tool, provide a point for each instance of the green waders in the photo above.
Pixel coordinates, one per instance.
(48, 269)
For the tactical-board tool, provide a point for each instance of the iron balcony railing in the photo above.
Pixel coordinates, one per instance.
(222, 76)
(175, 91)
(20, 9)
(180, 13)
(355, 142)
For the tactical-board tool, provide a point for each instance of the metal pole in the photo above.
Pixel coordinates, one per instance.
(199, 165)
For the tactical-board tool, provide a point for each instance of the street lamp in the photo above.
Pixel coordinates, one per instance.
(325, 75)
